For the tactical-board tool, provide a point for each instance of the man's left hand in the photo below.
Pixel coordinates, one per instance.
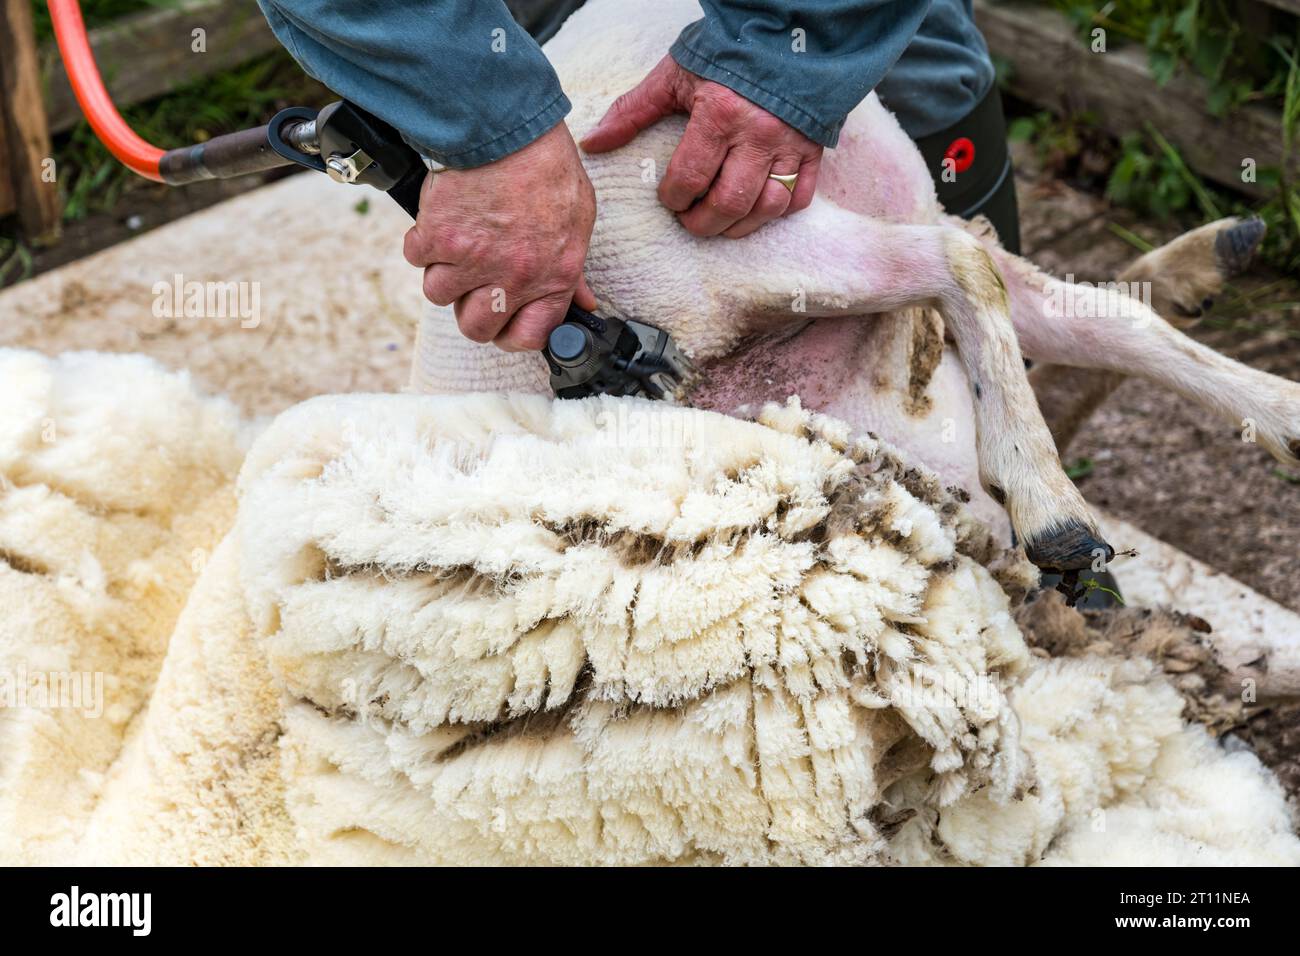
(717, 180)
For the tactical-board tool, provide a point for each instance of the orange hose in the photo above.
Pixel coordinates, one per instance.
(70, 32)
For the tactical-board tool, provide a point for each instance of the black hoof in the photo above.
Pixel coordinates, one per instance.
(1068, 547)
(1235, 246)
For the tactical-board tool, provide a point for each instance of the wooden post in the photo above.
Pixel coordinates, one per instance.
(27, 134)
(7, 204)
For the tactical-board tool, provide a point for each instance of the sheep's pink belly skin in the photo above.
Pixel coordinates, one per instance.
(845, 368)
(818, 365)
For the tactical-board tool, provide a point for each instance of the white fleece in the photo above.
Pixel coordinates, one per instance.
(1120, 780)
(681, 637)
(115, 483)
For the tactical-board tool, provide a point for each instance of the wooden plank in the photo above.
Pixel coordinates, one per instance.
(147, 54)
(1290, 6)
(1052, 68)
(28, 136)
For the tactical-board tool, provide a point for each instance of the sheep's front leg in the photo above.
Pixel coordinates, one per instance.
(1019, 464)
(831, 262)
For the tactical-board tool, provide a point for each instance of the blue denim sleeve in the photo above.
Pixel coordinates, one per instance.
(462, 81)
(943, 74)
(809, 62)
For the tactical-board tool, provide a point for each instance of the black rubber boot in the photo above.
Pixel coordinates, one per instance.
(542, 18)
(971, 168)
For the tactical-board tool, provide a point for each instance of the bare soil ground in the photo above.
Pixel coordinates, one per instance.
(335, 301)
(144, 207)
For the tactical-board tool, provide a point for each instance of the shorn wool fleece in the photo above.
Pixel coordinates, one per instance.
(494, 629)
(115, 483)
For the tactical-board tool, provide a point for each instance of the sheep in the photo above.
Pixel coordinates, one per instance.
(803, 298)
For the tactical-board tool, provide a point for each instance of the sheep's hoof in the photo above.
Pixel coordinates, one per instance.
(1293, 446)
(1072, 546)
(1235, 246)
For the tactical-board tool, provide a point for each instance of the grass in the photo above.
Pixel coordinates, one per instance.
(1238, 65)
(1080, 469)
(1209, 208)
(92, 182)
(15, 261)
(1092, 584)
(1146, 173)
(96, 13)
(1207, 37)
(1132, 238)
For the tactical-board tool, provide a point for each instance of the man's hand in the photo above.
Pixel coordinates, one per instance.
(717, 179)
(506, 242)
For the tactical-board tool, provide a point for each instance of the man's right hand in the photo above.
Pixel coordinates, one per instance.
(506, 242)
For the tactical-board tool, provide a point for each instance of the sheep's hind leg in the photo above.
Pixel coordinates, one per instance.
(1101, 328)
(836, 263)
(1183, 277)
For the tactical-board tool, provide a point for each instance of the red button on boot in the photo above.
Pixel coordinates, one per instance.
(962, 153)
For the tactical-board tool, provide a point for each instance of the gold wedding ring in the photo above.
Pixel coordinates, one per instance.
(787, 180)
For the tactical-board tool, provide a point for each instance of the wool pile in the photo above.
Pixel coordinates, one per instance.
(116, 481)
(613, 632)
(504, 629)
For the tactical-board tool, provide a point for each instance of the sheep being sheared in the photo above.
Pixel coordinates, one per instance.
(690, 639)
(874, 249)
